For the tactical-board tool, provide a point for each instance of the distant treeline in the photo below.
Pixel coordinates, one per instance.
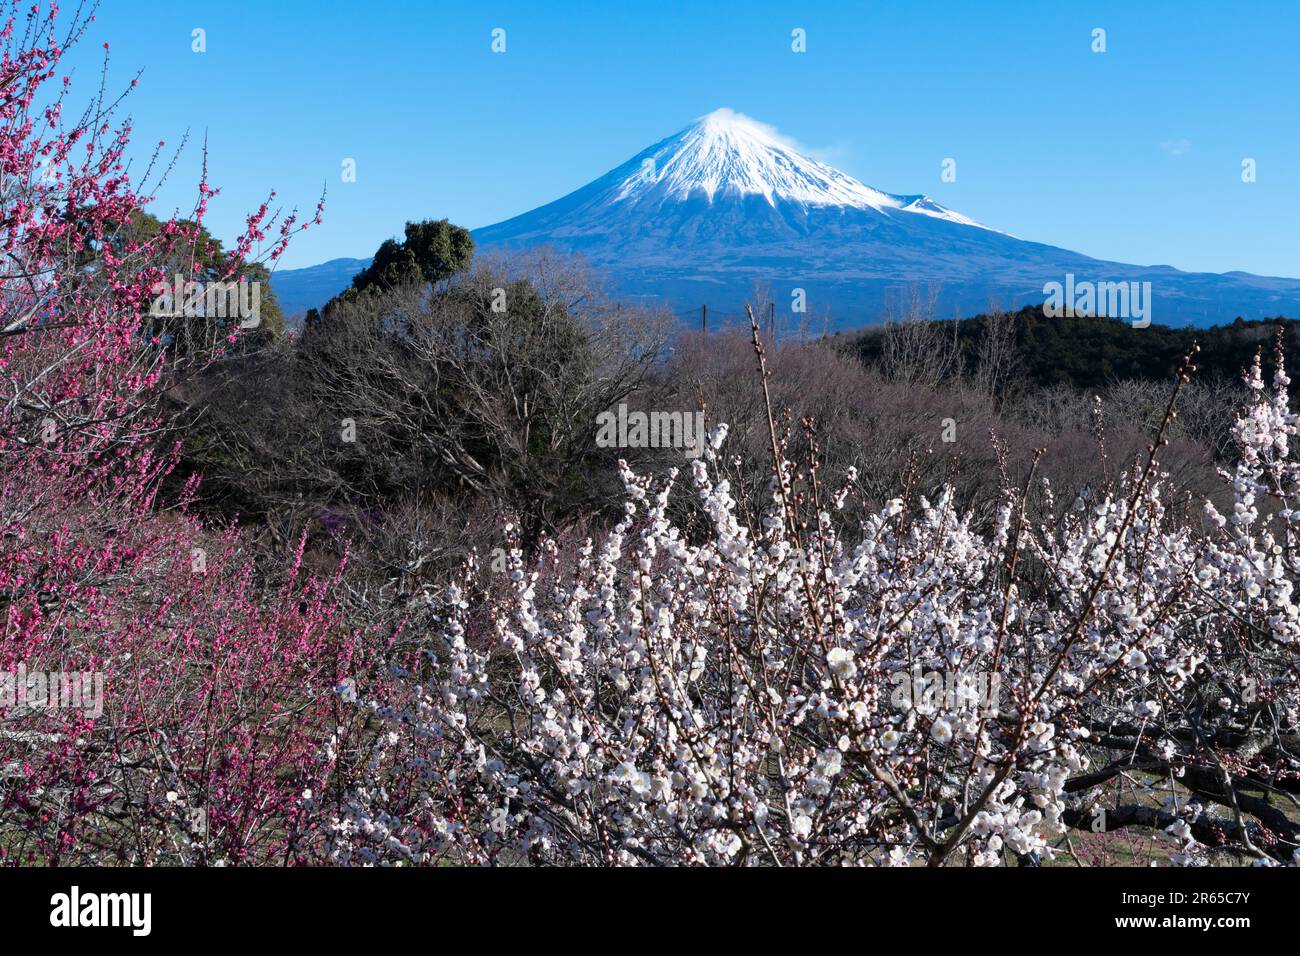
(1090, 353)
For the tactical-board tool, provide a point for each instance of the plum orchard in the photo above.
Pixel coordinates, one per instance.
(668, 698)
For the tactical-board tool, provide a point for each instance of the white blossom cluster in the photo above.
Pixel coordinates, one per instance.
(677, 695)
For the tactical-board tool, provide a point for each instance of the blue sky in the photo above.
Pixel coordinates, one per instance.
(1133, 154)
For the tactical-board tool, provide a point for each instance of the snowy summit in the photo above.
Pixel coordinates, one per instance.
(729, 154)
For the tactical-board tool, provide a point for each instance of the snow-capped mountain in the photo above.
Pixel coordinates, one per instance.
(724, 177)
(726, 155)
(699, 217)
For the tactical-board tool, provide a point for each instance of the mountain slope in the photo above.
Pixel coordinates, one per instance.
(309, 288)
(697, 217)
(702, 215)
(722, 160)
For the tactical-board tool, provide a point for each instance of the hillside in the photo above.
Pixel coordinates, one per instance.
(1094, 352)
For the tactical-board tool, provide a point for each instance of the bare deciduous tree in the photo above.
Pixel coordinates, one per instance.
(917, 350)
(489, 387)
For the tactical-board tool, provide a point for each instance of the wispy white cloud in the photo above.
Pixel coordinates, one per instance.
(835, 153)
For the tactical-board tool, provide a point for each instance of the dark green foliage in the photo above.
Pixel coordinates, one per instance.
(433, 251)
(1091, 353)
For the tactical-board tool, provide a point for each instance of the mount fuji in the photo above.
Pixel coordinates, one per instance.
(699, 217)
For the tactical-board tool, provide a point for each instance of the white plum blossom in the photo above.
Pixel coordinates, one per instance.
(841, 663)
(724, 694)
(941, 731)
